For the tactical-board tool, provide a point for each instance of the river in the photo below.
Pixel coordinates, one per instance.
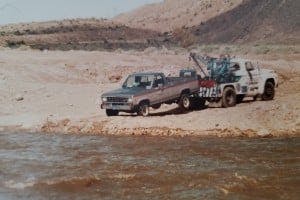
(57, 166)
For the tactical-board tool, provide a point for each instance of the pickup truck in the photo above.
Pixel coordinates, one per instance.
(141, 91)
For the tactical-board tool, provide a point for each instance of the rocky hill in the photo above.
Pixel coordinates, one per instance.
(221, 21)
(271, 21)
(172, 14)
(83, 34)
(170, 23)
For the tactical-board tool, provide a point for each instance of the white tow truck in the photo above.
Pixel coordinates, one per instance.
(229, 80)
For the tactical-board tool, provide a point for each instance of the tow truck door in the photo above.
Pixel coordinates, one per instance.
(253, 78)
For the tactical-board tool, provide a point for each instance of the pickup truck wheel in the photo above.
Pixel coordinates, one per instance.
(185, 102)
(229, 97)
(144, 110)
(111, 113)
(269, 92)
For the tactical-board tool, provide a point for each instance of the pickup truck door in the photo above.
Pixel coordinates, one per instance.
(159, 93)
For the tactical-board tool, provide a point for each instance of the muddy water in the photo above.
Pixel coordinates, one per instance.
(38, 166)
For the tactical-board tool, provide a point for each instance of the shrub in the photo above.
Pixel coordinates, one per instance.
(184, 37)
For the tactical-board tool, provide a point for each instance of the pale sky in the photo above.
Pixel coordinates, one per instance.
(14, 11)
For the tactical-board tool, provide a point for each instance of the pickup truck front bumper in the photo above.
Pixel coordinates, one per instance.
(117, 106)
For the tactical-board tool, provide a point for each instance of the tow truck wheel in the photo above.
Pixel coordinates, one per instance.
(185, 102)
(240, 98)
(198, 103)
(229, 97)
(269, 92)
(144, 110)
(111, 113)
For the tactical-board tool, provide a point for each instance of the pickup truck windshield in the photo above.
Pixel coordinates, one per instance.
(141, 81)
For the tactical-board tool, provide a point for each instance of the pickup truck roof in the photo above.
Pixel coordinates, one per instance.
(147, 73)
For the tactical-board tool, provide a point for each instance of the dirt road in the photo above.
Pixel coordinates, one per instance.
(54, 91)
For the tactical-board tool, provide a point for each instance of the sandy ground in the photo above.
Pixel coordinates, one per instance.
(55, 91)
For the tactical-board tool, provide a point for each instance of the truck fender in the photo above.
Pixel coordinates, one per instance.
(226, 86)
(147, 101)
(262, 85)
(185, 91)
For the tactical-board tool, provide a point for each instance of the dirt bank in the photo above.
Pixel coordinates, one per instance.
(59, 92)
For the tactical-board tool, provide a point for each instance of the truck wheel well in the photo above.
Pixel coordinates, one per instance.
(271, 80)
(185, 91)
(146, 101)
(227, 86)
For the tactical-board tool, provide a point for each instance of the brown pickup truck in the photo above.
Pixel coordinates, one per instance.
(141, 91)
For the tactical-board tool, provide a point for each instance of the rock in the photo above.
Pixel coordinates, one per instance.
(263, 132)
(19, 98)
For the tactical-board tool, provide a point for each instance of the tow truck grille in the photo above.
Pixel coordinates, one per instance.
(117, 99)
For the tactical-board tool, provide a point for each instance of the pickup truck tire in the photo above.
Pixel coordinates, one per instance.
(185, 102)
(144, 109)
(111, 113)
(269, 92)
(229, 97)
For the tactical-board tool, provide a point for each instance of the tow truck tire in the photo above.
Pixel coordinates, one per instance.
(185, 102)
(111, 113)
(144, 109)
(240, 98)
(229, 97)
(198, 103)
(269, 92)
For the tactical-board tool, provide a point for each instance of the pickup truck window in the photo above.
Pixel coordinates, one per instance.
(158, 81)
(141, 81)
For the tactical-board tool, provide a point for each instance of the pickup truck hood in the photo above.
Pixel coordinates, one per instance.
(124, 92)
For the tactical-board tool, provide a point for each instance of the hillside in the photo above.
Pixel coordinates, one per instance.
(271, 21)
(172, 14)
(84, 34)
(221, 21)
(170, 23)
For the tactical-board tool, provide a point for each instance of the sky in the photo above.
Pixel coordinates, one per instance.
(15, 11)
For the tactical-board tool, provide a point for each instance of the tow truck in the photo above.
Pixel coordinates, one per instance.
(227, 81)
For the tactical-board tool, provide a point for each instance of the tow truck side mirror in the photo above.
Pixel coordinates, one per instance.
(249, 66)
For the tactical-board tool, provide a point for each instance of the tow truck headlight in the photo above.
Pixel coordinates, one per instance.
(104, 99)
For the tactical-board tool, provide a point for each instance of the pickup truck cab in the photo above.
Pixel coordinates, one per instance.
(141, 91)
